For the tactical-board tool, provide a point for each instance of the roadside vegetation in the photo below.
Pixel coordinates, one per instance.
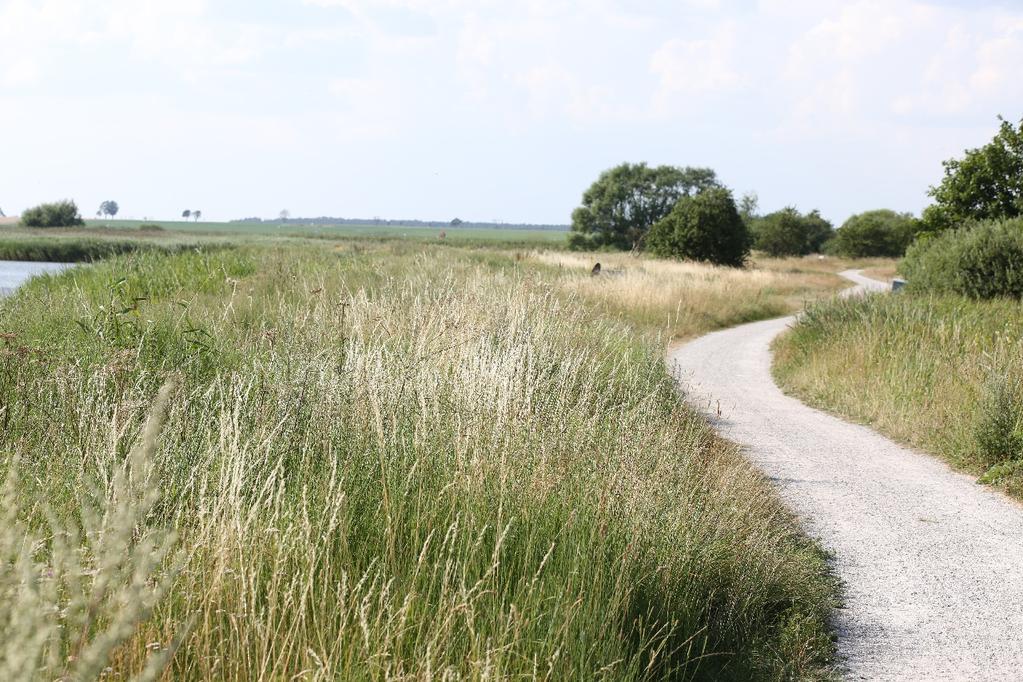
(982, 261)
(941, 372)
(940, 365)
(380, 460)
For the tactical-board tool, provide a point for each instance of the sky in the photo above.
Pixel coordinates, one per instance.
(491, 109)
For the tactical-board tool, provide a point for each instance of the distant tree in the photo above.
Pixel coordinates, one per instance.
(456, 222)
(819, 231)
(622, 205)
(987, 183)
(880, 233)
(749, 205)
(186, 214)
(705, 227)
(196, 215)
(284, 215)
(56, 214)
(108, 208)
(790, 233)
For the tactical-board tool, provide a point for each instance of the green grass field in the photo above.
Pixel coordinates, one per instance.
(455, 234)
(386, 459)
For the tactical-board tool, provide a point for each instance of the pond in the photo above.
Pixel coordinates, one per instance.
(15, 273)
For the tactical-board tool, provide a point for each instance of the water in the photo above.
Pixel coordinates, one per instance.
(15, 273)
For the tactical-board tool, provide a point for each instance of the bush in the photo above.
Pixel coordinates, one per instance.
(872, 234)
(790, 233)
(983, 261)
(57, 214)
(999, 432)
(703, 227)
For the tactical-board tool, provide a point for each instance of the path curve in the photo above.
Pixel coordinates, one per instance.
(931, 562)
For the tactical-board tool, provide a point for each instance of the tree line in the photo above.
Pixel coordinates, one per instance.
(65, 213)
(686, 212)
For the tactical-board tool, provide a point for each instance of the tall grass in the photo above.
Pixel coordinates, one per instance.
(940, 372)
(386, 464)
(69, 599)
(75, 249)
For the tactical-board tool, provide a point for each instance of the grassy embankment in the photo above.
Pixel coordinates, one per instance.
(85, 245)
(381, 462)
(940, 372)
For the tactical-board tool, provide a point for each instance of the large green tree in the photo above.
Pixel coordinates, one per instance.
(987, 183)
(880, 233)
(705, 227)
(790, 233)
(619, 209)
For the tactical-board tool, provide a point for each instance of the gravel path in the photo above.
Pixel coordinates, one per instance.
(931, 562)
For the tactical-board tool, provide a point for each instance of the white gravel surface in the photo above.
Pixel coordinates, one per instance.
(931, 562)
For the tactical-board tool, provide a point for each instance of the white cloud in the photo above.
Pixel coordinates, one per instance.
(38, 38)
(20, 71)
(690, 68)
(865, 60)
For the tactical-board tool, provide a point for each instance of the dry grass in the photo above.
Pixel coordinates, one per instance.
(882, 274)
(684, 298)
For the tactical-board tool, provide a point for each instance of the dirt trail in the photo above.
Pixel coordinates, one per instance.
(932, 563)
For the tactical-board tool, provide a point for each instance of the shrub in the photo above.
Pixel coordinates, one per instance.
(57, 214)
(881, 233)
(704, 227)
(983, 261)
(790, 233)
(999, 433)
